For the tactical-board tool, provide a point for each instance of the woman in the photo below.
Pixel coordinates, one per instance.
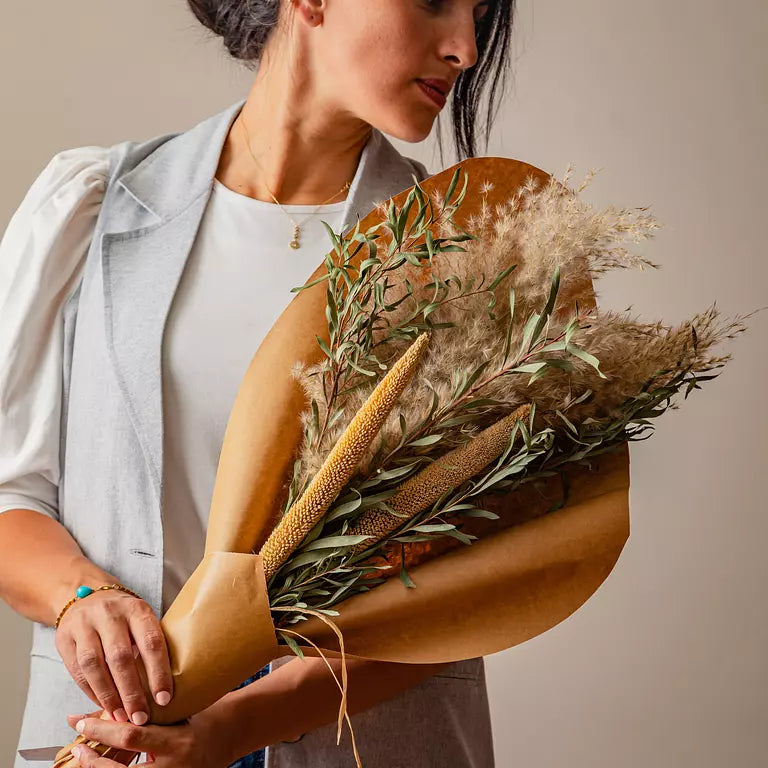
(135, 284)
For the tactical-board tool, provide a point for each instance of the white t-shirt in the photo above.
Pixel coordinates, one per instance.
(235, 284)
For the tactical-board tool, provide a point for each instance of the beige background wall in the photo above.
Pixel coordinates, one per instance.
(665, 666)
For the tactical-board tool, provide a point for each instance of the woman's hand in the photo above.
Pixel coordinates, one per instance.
(96, 640)
(200, 742)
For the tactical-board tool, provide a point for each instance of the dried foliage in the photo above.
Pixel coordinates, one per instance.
(507, 331)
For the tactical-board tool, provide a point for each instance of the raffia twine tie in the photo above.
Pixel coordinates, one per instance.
(343, 714)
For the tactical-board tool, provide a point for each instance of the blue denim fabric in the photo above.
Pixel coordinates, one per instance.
(255, 759)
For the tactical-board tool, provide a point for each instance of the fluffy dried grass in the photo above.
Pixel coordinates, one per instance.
(541, 228)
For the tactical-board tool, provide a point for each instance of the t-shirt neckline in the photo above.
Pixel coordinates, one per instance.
(265, 206)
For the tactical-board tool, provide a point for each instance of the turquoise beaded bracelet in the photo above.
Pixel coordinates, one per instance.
(83, 591)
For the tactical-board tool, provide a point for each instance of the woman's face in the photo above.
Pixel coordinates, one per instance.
(368, 55)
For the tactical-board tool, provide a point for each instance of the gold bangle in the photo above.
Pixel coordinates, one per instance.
(71, 602)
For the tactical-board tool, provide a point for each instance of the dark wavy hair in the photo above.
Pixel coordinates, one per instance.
(245, 26)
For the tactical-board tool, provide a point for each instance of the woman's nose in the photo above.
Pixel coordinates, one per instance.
(460, 43)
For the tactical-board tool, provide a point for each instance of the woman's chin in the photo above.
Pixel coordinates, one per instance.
(411, 130)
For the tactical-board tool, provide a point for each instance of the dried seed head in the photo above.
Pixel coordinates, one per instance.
(446, 473)
(342, 460)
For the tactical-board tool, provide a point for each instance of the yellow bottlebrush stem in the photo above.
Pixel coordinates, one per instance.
(443, 474)
(342, 461)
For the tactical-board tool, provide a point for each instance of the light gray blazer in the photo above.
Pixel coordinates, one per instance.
(111, 486)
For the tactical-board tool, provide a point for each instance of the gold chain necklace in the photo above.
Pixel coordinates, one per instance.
(296, 227)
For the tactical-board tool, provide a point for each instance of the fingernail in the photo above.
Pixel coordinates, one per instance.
(80, 726)
(120, 715)
(139, 718)
(77, 751)
(162, 698)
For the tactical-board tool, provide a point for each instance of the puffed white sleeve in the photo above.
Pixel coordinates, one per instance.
(42, 253)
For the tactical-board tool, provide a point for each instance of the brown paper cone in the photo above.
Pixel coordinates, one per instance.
(219, 632)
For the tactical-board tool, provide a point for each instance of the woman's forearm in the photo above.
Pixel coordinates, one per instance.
(41, 565)
(301, 696)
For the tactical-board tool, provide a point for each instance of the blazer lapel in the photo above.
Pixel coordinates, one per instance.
(154, 214)
(141, 270)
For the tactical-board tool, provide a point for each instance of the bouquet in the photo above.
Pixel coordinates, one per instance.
(433, 437)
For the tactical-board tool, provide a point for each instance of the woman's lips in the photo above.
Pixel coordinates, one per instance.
(435, 95)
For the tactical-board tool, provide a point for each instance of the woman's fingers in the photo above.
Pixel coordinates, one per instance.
(90, 660)
(68, 652)
(89, 758)
(134, 738)
(150, 640)
(73, 720)
(118, 654)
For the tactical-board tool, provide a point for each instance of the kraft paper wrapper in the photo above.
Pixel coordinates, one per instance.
(219, 631)
(471, 601)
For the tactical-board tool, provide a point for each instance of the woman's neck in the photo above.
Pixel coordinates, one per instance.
(304, 150)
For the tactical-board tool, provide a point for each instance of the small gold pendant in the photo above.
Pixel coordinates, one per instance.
(295, 241)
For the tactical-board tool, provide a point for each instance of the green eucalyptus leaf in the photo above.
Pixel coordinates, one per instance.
(457, 508)
(452, 249)
(323, 346)
(455, 421)
(528, 332)
(482, 513)
(409, 539)
(466, 538)
(539, 374)
(343, 510)
(313, 534)
(307, 558)
(331, 542)
(529, 367)
(479, 402)
(309, 285)
(428, 440)
(452, 186)
(389, 474)
(587, 358)
(501, 276)
(364, 371)
(406, 579)
(432, 527)
(292, 644)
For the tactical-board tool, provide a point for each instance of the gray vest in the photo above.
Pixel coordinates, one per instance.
(111, 488)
